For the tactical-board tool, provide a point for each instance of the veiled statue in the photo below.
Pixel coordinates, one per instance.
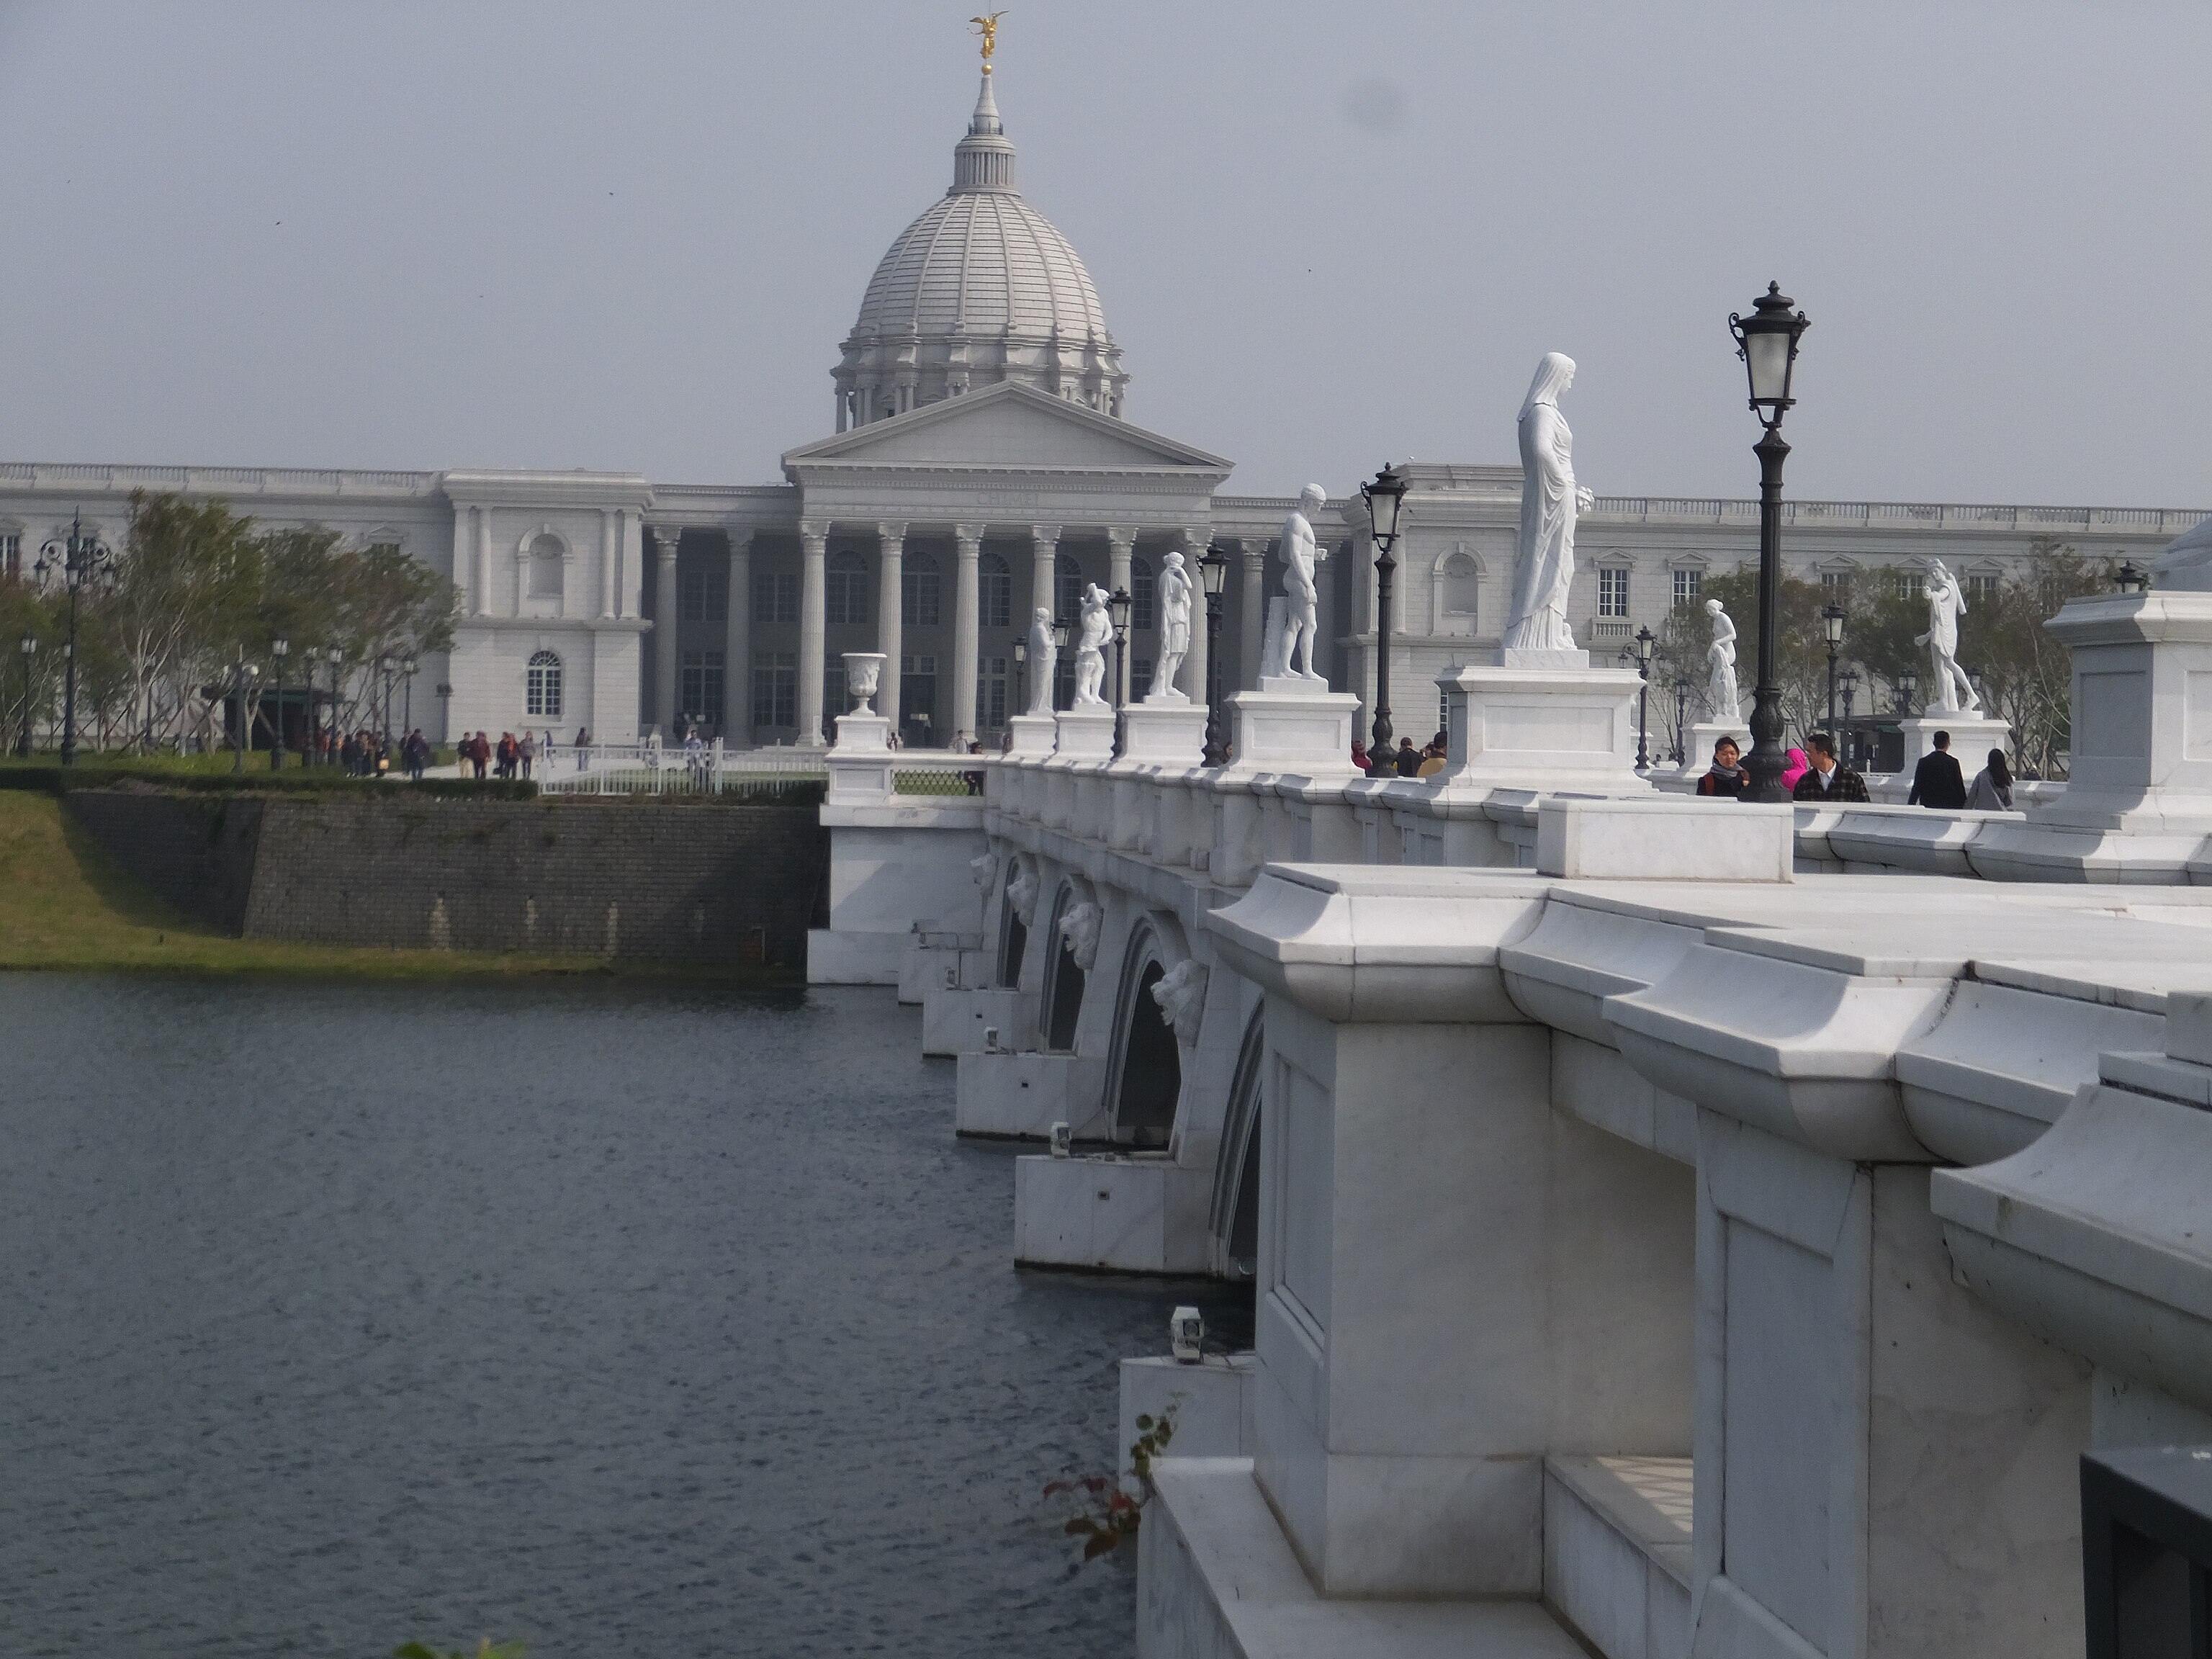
(1953, 693)
(1722, 701)
(1044, 657)
(1544, 561)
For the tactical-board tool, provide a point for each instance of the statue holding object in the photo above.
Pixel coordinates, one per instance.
(1096, 627)
(1175, 631)
(1044, 657)
(1544, 560)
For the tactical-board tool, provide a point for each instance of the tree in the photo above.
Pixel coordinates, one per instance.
(187, 569)
(2026, 674)
(1800, 650)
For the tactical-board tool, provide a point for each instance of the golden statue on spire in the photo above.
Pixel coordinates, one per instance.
(987, 27)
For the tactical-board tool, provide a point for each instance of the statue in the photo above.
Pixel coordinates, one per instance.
(1301, 626)
(1180, 993)
(1090, 647)
(1044, 657)
(1544, 562)
(1954, 692)
(983, 866)
(1079, 930)
(987, 27)
(1022, 893)
(1722, 700)
(1175, 631)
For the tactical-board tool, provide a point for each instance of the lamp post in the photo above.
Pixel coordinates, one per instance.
(1646, 642)
(1831, 624)
(337, 657)
(77, 558)
(28, 645)
(445, 715)
(1063, 632)
(1767, 341)
(1386, 498)
(1848, 681)
(1908, 691)
(407, 704)
(384, 672)
(1681, 713)
(1117, 607)
(279, 648)
(2131, 578)
(1213, 571)
(1022, 675)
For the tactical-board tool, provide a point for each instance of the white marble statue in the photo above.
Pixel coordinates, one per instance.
(1022, 893)
(983, 866)
(1175, 631)
(1044, 657)
(1953, 693)
(863, 671)
(1544, 562)
(1095, 627)
(1180, 993)
(1722, 701)
(1079, 926)
(1294, 645)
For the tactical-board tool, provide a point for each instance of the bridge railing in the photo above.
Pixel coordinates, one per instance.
(646, 769)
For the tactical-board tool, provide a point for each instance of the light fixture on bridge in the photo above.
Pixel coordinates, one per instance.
(1062, 1141)
(2131, 578)
(1186, 1335)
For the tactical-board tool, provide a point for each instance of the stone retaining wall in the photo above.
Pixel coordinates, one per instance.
(195, 850)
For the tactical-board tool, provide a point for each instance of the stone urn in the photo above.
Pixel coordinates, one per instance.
(863, 670)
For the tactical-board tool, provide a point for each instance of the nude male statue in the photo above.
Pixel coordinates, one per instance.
(1301, 553)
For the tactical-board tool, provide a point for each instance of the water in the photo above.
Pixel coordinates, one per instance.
(620, 1321)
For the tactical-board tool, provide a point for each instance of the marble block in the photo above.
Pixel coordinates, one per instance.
(1084, 734)
(861, 763)
(2142, 758)
(1033, 735)
(1665, 839)
(1973, 736)
(1164, 733)
(1293, 726)
(1515, 657)
(857, 733)
(1563, 728)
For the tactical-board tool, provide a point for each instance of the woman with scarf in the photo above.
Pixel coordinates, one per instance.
(1725, 777)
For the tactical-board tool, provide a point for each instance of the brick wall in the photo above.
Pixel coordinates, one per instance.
(197, 852)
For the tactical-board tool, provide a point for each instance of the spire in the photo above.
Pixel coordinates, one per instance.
(983, 161)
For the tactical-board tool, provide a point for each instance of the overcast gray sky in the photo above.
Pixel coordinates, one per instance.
(1326, 235)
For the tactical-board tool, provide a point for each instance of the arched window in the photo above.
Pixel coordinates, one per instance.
(546, 567)
(1141, 592)
(997, 591)
(1457, 593)
(846, 597)
(542, 687)
(918, 590)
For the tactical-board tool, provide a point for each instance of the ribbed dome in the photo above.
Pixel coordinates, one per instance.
(980, 289)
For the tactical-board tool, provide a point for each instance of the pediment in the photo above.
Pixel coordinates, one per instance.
(1005, 427)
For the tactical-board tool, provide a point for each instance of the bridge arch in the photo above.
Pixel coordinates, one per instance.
(1144, 1077)
(1017, 905)
(1233, 1220)
(1067, 969)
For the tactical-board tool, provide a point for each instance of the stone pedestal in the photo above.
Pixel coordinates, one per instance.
(1541, 719)
(2141, 759)
(1033, 736)
(1164, 733)
(1697, 746)
(1085, 734)
(861, 763)
(1973, 736)
(1295, 726)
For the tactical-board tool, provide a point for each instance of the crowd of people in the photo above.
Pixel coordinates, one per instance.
(510, 758)
(1814, 773)
(1405, 761)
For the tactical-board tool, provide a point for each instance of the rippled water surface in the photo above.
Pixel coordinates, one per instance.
(621, 1321)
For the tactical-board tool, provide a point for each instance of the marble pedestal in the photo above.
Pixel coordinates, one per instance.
(1973, 736)
(1541, 719)
(1295, 726)
(1164, 733)
(1085, 733)
(861, 763)
(1033, 736)
(2141, 759)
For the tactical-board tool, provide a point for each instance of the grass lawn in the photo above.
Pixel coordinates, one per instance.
(65, 904)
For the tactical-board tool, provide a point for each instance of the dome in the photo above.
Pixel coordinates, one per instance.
(980, 289)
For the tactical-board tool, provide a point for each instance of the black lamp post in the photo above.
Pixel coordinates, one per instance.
(1831, 624)
(279, 648)
(77, 558)
(1646, 642)
(1767, 341)
(1063, 631)
(2131, 578)
(1117, 607)
(407, 702)
(1908, 692)
(384, 672)
(1682, 714)
(1213, 571)
(28, 645)
(1022, 675)
(1848, 682)
(1386, 498)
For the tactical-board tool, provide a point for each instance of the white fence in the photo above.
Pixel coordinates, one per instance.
(634, 769)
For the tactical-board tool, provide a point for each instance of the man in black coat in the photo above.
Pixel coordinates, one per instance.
(1936, 781)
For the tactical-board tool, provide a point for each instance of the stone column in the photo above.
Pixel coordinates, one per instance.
(1044, 543)
(890, 616)
(471, 601)
(664, 540)
(1253, 602)
(967, 619)
(1193, 665)
(1119, 544)
(813, 543)
(609, 546)
(483, 562)
(738, 646)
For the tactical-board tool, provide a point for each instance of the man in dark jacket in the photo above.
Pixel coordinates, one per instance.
(1824, 779)
(1937, 782)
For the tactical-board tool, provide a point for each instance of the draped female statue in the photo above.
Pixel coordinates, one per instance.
(1722, 701)
(1543, 564)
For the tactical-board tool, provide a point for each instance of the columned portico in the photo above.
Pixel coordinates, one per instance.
(813, 548)
(665, 538)
(890, 616)
(738, 648)
(1253, 617)
(967, 604)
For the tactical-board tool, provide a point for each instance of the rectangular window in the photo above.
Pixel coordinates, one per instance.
(1063, 680)
(11, 554)
(701, 690)
(1835, 578)
(1979, 588)
(991, 692)
(845, 597)
(1689, 585)
(836, 700)
(775, 599)
(918, 696)
(1141, 676)
(776, 689)
(1140, 596)
(1067, 587)
(1612, 592)
(917, 598)
(996, 594)
(1908, 584)
(704, 594)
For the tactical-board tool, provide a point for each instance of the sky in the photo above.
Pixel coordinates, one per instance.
(631, 235)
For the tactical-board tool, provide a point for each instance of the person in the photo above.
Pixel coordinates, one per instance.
(973, 780)
(1794, 768)
(415, 751)
(1724, 776)
(583, 747)
(1826, 781)
(1360, 757)
(1937, 782)
(349, 755)
(480, 754)
(526, 751)
(1433, 760)
(1408, 759)
(1992, 787)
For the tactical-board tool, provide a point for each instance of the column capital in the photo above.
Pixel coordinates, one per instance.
(665, 539)
(741, 536)
(1196, 538)
(892, 532)
(814, 531)
(1254, 548)
(970, 537)
(1045, 535)
(1121, 538)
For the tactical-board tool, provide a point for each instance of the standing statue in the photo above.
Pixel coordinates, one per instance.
(1175, 631)
(1301, 623)
(1044, 657)
(987, 27)
(1090, 647)
(1954, 692)
(1544, 562)
(1722, 700)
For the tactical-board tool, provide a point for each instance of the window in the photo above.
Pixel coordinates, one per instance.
(775, 599)
(1141, 676)
(836, 699)
(704, 593)
(918, 591)
(1142, 592)
(701, 688)
(776, 688)
(1908, 584)
(1834, 579)
(1462, 587)
(997, 594)
(1981, 587)
(991, 692)
(1063, 680)
(1444, 710)
(11, 552)
(542, 687)
(1612, 592)
(545, 567)
(1690, 586)
(918, 693)
(846, 597)
(1067, 586)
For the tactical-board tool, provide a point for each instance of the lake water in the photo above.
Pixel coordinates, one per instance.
(618, 1320)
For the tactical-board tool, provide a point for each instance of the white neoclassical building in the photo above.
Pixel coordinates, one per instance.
(982, 462)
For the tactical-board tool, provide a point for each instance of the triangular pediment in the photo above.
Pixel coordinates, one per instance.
(1005, 426)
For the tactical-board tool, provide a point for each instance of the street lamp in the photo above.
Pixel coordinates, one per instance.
(279, 648)
(1908, 691)
(1831, 624)
(2131, 578)
(28, 645)
(1848, 682)
(1386, 499)
(445, 715)
(77, 558)
(1682, 714)
(1766, 341)
(1063, 632)
(1117, 608)
(1213, 571)
(1021, 675)
(384, 672)
(1646, 642)
(407, 705)
(337, 657)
